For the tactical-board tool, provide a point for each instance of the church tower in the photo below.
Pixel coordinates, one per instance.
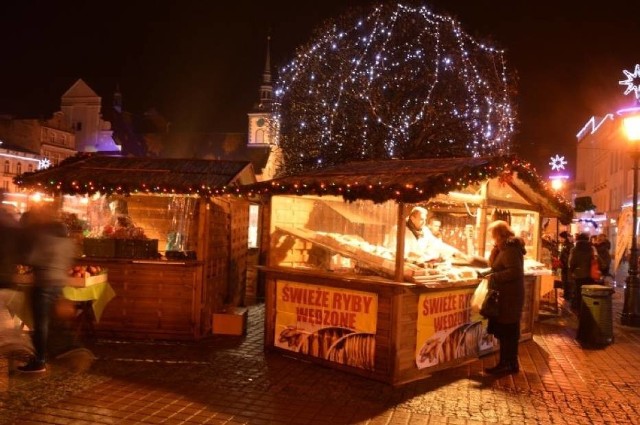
(261, 128)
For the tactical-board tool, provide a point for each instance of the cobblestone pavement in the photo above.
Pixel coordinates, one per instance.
(230, 380)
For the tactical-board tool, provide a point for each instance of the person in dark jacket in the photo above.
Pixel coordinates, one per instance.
(565, 249)
(603, 247)
(507, 276)
(580, 267)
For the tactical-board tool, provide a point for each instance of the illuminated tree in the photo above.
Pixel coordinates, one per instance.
(402, 82)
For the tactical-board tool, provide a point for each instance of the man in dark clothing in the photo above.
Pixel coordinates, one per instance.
(603, 246)
(565, 249)
(580, 267)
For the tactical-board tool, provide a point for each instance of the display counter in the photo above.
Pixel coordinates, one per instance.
(395, 332)
(154, 299)
(344, 287)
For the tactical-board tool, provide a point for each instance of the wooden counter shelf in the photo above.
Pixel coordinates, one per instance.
(155, 299)
(396, 318)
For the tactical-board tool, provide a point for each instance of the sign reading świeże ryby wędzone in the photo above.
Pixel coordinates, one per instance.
(335, 324)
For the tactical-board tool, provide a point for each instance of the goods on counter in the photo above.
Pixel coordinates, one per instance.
(81, 276)
(533, 267)
(120, 232)
(120, 248)
(381, 259)
(85, 271)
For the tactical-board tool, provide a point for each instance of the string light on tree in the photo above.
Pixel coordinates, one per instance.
(400, 82)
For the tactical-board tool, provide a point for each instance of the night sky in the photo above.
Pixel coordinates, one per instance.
(200, 62)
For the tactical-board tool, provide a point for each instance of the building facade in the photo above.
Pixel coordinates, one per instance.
(81, 109)
(604, 172)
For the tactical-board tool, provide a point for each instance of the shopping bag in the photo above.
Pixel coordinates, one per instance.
(479, 295)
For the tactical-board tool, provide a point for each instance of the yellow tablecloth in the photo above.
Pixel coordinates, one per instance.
(18, 301)
(100, 294)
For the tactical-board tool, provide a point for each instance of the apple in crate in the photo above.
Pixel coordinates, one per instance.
(86, 275)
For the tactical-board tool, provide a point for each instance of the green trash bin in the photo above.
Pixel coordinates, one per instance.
(596, 315)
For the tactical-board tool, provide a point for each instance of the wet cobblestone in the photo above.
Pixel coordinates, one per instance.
(230, 380)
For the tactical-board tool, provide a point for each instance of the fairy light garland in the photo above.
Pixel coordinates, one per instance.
(401, 82)
(503, 168)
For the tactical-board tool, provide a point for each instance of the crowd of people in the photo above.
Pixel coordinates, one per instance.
(575, 262)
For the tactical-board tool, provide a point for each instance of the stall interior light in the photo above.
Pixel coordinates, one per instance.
(466, 197)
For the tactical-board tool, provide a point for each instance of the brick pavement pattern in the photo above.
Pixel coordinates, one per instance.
(230, 380)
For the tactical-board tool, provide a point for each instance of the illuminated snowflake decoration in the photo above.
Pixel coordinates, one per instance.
(632, 82)
(557, 163)
(44, 163)
(399, 82)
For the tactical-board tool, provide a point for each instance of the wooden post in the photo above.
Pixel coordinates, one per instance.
(399, 276)
(482, 221)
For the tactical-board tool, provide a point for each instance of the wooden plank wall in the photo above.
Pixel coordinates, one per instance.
(152, 301)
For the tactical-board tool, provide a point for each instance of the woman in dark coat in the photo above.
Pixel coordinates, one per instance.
(507, 276)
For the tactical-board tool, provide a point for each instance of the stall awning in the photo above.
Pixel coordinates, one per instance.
(418, 180)
(91, 173)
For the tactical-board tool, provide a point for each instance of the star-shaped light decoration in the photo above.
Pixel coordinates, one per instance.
(632, 82)
(44, 163)
(557, 163)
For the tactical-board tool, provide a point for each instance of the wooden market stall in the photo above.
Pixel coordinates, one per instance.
(174, 251)
(337, 293)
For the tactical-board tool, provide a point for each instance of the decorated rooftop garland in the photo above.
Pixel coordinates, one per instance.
(409, 190)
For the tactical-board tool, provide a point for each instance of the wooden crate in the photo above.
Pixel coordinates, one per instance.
(136, 248)
(81, 282)
(231, 323)
(99, 247)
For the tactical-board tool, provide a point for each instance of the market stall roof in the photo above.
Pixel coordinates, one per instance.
(418, 180)
(91, 173)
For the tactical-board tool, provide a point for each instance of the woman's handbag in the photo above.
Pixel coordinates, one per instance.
(489, 307)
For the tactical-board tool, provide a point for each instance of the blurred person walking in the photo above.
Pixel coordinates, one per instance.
(507, 276)
(49, 252)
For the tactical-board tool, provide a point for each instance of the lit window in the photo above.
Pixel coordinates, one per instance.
(19, 168)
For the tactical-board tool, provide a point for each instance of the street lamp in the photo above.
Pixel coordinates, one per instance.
(631, 307)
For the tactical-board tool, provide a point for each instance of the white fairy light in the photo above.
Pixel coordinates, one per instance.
(407, 79)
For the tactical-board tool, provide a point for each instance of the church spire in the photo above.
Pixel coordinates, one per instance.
(266, 88)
